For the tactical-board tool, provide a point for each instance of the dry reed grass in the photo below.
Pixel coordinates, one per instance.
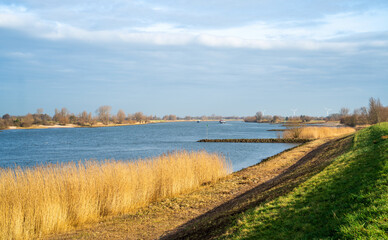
(49, 199)
(317, 132)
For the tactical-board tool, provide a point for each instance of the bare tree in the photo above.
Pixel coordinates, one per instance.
(62, 116)
(121, 116)
(375, 111)
(275, 119)
(172, 117)
(259, 116)
(39, 111)
(139, 117)
(131, 117)
(28, 120)
(83, 118)
(3, 124)
(104, 114)
(114, 119)
(384, 115)
(344, 112)
(360, 116)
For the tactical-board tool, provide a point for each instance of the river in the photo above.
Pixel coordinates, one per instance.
(30, 147)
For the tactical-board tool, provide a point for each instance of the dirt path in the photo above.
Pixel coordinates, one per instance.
(203, 213)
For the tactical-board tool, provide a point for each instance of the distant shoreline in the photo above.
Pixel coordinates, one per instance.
(109, 125)
(70, 126)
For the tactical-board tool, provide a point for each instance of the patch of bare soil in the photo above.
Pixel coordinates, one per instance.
(203, 213)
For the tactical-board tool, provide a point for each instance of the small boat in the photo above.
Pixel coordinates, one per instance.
(198, 121)
(222, 121)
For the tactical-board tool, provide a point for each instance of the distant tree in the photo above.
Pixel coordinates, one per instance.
(375, 111)
(72, 118)
(250, 119)
(91, 120)
(3, 124)
(275, 119)
(7, 120)
(305, 118)
(28, 120)
(16, 121)
(56, 115)
(114, 119)
(38, 116)
(361, 116)
(333, 117)
(46, 119)
(259, 116)
(148, 118)
(170, 117)
(139, 117)
(83, 118)
(131, 117)
(6, 116)
(120, 116)
(39, 111)
(384, 115)
(344, 112)
(104, 114)
(62, 117)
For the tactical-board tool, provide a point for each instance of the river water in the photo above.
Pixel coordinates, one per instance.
(39, 146)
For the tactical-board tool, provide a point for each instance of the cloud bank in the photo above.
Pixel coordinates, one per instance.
(327, 33)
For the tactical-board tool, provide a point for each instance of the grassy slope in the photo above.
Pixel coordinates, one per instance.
(347, 200)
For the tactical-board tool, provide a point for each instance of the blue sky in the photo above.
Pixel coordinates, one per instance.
(193, 57)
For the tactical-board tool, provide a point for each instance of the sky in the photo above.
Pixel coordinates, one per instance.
(193, 58)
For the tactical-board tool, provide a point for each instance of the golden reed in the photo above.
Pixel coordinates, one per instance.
(50, 199)
(317, 132)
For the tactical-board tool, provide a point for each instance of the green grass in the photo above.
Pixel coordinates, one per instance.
(347, 200)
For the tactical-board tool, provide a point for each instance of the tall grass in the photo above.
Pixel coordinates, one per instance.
(316, 132)
(55, 198)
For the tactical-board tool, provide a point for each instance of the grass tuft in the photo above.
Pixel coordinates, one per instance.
(50, 199)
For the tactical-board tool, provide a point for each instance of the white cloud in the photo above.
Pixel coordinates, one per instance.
(259, 35)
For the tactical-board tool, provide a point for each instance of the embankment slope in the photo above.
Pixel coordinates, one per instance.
(320, 197)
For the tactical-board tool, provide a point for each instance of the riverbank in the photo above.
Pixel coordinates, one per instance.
(259, 140)
(71, 126)
(98, 125)
(166, 216)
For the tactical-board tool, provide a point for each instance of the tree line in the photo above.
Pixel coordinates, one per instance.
(64, 116)
(103, 116)
(374, 113)
(260, 118)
